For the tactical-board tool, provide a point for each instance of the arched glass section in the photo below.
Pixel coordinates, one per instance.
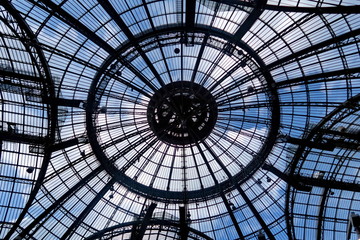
(179, 119)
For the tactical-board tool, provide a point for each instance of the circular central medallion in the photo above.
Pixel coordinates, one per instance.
(182, 113)
(172, 141)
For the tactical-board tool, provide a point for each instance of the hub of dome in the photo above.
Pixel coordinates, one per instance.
(182, 113)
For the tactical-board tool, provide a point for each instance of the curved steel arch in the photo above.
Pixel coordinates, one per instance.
(152, 222)
(301, 153)
(49, 92)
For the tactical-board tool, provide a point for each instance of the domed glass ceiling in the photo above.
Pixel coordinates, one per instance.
(179, 119)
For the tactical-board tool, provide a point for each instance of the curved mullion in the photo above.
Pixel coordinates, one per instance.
(124, 197)
(199, 57)
(217, 160)
(140, 141)
(137, 143)
(130, 147)
(68, 56)
(116, 125)
(242, 193)
(129, 134)
(76, 223)
(207, 163)
(129, 84)
(243, 105)
(197, 168)
(157, 39)
(240, 146)
(268, 194)
(228, 153)
(212, 67)
(233, 84)
(124, 97)
(238, 95)
(243, 132)
(333, 43)
(116, 17)
(225, 201)
(281, 104)
(171, 170)
(218, 57)
(280, 35)
(58, 172)
(35, 225)
(159, 163)
(139, 154)
(203, 45)
(56, 10)
(319, 10)
(155, 144)
(351, 73)
(125, 123)
(244, 118)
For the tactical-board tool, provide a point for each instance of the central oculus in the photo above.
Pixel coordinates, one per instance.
(182, 113)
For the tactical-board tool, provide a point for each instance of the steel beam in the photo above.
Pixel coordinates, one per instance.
(16, 75)
(199, 57)
(320, 77)
(115, 16)
(64, 16)
(242, 193)
(318, 10)
(318, 48)
(190, 14)
(327, 146)
(42, 65)
(264, 226)
(288, 179)
(321, 213)
(153, 222)
(65, 144)
(346, 135)
(341, 143)
(76, 223)
(139, 230)
(22, 138)
(35, 225)
(327, 183)
(231, 214)
(67, 102)
(184, 230)
(251, 19)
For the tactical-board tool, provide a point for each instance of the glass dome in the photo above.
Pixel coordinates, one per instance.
(179, 119)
